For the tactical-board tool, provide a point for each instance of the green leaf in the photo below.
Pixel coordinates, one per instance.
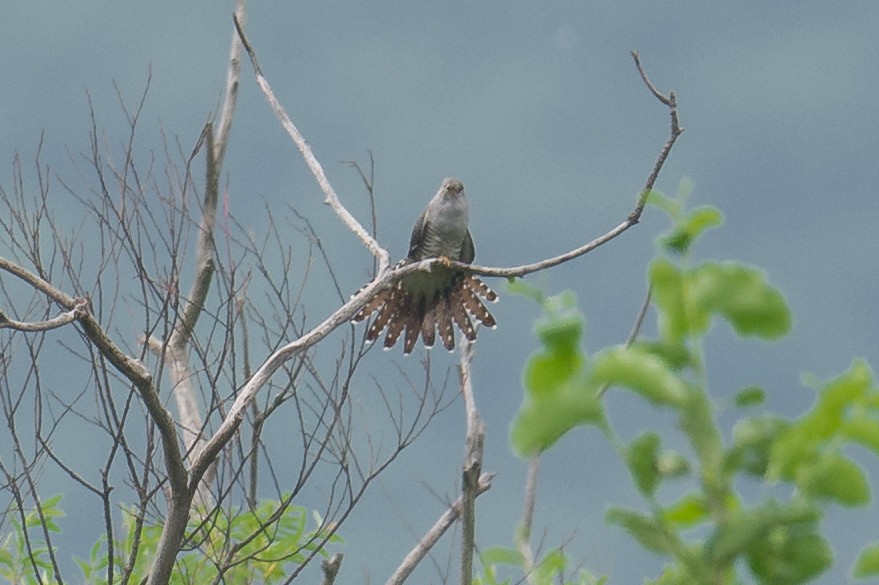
(863, 429)
(742, 296)
(836, 477)
(641, 457)
(671, 207)
(52, 503)
(85, 567)
(690, 510)
(867, 564)
(696, 419)
(558, 395)
(686, 300)
(839, 413)
(673, 574)
(638, 370)
(517, 286)
(545, 416)
(669, 296)
(551, 566)
(671, 464)
(751, 396)
(789, 556)
(675, 356)
(749, 528)
(689, 228)
(561, 327)
(498, 555)
(644, 529)
(753, 441)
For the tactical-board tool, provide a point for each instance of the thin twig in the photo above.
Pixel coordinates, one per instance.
(317, 170)
(671, 102)
(523, 538)
(639, 319)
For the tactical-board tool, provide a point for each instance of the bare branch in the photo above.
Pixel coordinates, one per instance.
(262, 375)
(472, 464)
(523, 536)
(385, 278)
(330, 568)
(204, 252)
(639, 319)
(317, 170)
(233, 79)
(61, 320)
(634, 216)
(137, 373)
(524, 269)
(433, 535)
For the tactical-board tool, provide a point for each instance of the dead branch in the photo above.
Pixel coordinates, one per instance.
(472, 464)
(61, 320)
(330, 568)
(317, 170)
(523, 536)
(434, 534)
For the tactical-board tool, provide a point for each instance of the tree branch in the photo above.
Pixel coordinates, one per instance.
(433, 535)
(61, 320)
(523, 536)
(330, 568)
(233, 80)
(472, 465)
(386, 277)
(317, 170)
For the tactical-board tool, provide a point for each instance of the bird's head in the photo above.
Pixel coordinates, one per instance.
(452, 188)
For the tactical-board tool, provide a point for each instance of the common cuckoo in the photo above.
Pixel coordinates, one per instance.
(424, 302)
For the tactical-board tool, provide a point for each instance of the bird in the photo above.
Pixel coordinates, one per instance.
(426, 302)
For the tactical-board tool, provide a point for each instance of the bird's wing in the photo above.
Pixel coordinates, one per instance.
(468, 250)
(416, 240)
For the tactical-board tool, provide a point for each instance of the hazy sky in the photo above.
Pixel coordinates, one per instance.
(538, 108)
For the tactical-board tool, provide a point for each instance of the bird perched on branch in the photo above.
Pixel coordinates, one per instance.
(424, 302)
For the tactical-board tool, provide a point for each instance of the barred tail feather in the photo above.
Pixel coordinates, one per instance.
(414, 323)
(377, 301)
(397, 310)
(459, 313)
(395, 327)
(428, 325)
(444, 323)
(475, 306)
(475, 284)
(387, 312)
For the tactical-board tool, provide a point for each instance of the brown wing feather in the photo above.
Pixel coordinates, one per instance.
(417, 238)
(468, 250)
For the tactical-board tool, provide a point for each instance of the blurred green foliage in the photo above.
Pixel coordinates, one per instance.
(711, 534)
(259, 545)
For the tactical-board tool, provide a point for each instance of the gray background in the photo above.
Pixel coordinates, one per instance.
(538, 109)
